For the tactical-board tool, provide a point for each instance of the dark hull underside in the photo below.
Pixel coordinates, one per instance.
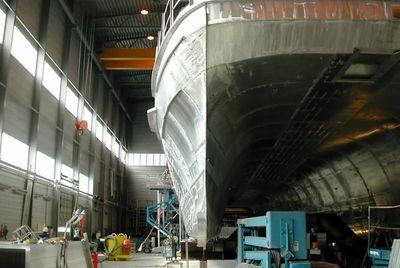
(278, 115)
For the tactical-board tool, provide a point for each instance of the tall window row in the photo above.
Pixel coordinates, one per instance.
(145, 159)
(15, 152)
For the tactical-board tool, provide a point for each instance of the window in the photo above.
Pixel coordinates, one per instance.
(14, 151)
(51, 80)
(107, 139)
(156, 159)
(44, 165)
(87, 116)
(23, 51)
(90, 187)
(146, 160)
(99, 130)
(67, 172)
(83, 183)
(143, 159)
(2, 25)
(123, 155)
(162, 160)
(115, 147)
(149, 160)
(71, 102)
(67, 175)
(136, 160)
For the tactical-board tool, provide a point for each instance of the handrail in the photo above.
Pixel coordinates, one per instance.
(169, 16)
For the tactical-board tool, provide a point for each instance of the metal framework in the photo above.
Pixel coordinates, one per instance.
(117, 123)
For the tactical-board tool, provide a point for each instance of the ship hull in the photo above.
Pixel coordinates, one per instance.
(227, 87)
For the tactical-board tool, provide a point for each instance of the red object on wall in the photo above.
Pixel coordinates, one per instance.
(81, 125)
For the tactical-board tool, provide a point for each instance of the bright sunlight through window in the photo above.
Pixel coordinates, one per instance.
(23, 51)
(67, 175)
(107, 139)
(14, 151)
(87, 116)
(2, 24)
(115, 147)
(99, 130)
(154, 160)
(44, 165)
(71, 102)
(84, 184)
(51, 81)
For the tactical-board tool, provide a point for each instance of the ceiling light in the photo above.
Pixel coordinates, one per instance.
(144, 12)
(150, 37)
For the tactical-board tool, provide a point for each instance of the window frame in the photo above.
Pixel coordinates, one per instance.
(50, 76)
(30, 52)
(3, 17)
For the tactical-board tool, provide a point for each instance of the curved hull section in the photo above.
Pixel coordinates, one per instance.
(243, 100)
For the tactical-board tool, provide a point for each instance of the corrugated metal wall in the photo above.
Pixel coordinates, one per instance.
(17, 120)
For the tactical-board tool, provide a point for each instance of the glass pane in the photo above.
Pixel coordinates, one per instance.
(44, 165)
(90, 187)
(67, 175)
(2, 24)
(150, 160)
(87, 116)
(72, 102)
(162, 160)
(108, 139)
(123, 155)
(51, 81)
(136, 159)
(99, 130)
(143, 159)
(83, 183)
(156, 159)
(23, 51)
(67, 172)
(14, 151)
(115, 147)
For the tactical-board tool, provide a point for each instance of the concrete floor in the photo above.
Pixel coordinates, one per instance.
(141, 260)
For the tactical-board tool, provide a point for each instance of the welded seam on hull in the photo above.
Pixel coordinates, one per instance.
(371, 196)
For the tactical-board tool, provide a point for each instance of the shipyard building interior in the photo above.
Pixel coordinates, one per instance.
(200, 133)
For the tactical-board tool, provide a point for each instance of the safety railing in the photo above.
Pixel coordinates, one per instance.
(171, 12)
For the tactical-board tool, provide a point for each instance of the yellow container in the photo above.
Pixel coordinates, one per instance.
(115, 247)
(120, 239)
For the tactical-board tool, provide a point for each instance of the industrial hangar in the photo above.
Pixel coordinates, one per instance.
(200, 133)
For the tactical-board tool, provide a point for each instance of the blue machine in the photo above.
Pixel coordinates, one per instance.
(380, 257)
(286, 239)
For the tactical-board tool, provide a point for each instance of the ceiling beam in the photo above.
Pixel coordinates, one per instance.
(128, 15)
(127, 58)
(115, 54)
(145, 28)
(119, 38)
(128, 64)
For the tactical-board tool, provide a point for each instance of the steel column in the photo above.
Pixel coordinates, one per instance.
(106, 169)
(92, 156)
(5, 54)
(81, 104)
(34, 125)
(60, 123)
